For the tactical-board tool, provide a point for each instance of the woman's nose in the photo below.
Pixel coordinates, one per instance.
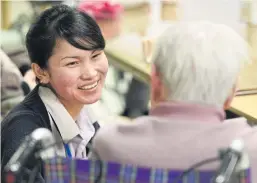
(88, 72)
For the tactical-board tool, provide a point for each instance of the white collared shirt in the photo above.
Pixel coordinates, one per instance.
(76, 133)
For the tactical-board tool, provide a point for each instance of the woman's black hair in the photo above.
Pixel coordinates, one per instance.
(62, 22)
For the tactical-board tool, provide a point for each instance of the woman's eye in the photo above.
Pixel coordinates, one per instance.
(73, 63)
(96, 55)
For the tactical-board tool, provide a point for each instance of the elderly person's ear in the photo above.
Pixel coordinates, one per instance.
(158, 90)
(229, 100)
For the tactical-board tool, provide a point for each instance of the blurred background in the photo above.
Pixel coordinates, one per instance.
(131, 29)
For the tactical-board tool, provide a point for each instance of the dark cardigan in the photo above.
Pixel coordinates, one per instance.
(27, 116)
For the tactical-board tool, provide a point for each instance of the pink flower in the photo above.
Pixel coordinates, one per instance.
(101, 9)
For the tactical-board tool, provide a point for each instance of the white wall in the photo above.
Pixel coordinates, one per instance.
(16, 8)
(221, 11)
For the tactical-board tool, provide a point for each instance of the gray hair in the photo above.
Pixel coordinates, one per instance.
(200, 61)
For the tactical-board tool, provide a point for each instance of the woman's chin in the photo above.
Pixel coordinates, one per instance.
(90, 99)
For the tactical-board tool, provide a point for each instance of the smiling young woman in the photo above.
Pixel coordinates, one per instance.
(66, 48)
(76, 76)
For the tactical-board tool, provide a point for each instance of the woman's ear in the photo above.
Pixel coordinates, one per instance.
(41, 74)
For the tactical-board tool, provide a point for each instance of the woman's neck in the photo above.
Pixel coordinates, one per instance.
(73, 109)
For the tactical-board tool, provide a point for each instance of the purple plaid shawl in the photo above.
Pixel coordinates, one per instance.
(65, 170)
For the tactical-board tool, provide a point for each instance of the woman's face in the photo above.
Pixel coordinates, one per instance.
(77, 75)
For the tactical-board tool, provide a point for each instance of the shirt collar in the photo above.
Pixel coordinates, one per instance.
(67, 127)
(189, 111)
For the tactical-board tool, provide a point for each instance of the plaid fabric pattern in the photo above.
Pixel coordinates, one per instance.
(65, 170)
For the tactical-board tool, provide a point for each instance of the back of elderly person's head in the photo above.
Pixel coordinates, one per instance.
(198, 62)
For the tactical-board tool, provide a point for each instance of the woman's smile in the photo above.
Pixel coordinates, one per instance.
(89, 86)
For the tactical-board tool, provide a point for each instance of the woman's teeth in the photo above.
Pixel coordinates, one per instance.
(88, 87)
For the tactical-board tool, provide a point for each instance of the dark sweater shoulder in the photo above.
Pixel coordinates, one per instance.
(21, 118)
(21, 121)
(30, 111)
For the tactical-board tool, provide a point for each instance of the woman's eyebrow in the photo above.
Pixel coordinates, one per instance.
(70, 57)
(77, 57)
(98, 50)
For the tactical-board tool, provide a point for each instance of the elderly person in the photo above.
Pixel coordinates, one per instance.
(193, 80)
(11, 87)
(66, 48)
